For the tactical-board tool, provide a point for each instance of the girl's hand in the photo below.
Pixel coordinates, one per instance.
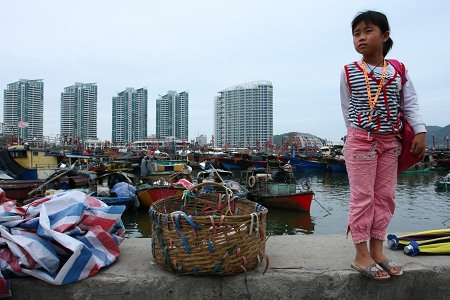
(418, 144)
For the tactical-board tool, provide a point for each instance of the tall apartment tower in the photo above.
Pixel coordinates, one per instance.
(79, 111)
(172, 115)
(129, 116)
(23, 109)
(243, 115)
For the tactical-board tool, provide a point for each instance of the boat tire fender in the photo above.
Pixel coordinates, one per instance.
(251, 182)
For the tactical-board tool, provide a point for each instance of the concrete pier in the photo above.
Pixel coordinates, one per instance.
(301, 267)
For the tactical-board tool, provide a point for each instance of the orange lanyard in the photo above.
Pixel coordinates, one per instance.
(380, 86)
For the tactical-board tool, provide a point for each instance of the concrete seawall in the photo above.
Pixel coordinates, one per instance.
(301, 267)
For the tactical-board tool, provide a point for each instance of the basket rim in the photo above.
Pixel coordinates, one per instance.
(156, 206)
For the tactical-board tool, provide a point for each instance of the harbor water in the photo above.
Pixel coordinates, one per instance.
(419, 207)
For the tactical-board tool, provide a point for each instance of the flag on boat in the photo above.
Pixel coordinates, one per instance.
(22, 124)
(60, 239)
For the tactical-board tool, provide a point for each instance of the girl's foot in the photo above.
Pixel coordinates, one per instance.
(391, 267)
(369, 264)
(372, 271)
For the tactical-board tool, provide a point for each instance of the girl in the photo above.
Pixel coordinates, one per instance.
(370, 101)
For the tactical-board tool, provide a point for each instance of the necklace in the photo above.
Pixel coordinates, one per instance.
(373, 69)
(380, 86)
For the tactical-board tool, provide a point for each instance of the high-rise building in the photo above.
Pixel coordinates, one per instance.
(129, 115)
(201, 140)
(243, 115)
(23, 109)
(172, 112)
(79, 112)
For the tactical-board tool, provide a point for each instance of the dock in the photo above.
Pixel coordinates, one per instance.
(300, 267)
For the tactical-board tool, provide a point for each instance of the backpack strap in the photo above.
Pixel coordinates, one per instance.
(400, 68)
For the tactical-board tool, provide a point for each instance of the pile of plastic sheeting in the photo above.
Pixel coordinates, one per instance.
(60, 239)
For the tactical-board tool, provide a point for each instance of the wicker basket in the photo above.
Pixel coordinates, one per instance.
(208, 234)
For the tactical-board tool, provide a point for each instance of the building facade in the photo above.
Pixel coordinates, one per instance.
(23, 109)
(129, 116)
(243, 115)
(172, 113)
(201, 140)
(79, 112)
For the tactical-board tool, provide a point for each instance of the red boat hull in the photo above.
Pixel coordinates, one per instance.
(298, 201)
(148, 196)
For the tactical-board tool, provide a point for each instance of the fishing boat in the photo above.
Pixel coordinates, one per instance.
(442, 161)
(163, 167)
(305, 164)
(150, 193)
(277, 188)
(336, 164)
(443, 183)
(233, 161)
(61, 181)
(116, 188)
(37, 163)
(223, 177)
(334, 158)
(171, 184)
(266, 160)
(209, 173)
(422, 166)
(98, 167)
(26, 189)
(19, 189)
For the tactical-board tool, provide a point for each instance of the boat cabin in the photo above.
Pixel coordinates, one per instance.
(39, 163)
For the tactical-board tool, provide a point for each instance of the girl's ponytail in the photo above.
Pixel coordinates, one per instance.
(387, 46)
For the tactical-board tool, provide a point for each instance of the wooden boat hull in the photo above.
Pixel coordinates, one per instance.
(148, 196)
(297, 201)
(19, 189)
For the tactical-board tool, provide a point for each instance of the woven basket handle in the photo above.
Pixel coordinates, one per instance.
(228, 190)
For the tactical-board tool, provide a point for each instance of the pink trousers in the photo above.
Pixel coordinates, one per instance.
(371, 162)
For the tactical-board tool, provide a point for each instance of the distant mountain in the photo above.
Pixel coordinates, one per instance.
(440, 135)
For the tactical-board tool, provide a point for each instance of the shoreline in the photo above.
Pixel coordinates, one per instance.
(301, 267)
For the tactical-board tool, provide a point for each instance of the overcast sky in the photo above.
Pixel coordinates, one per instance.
(203, 47)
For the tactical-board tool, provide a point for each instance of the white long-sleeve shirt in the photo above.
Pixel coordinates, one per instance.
(410, 110)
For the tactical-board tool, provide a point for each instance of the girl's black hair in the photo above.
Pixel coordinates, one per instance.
(378, 19)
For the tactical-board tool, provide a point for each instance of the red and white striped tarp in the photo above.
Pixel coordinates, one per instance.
(60, 239)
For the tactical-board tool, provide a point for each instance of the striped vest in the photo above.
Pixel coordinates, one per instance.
(385, 116)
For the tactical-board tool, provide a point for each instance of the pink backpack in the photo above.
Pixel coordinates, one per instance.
(405, 160)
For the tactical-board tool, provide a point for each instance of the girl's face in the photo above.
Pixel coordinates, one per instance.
(368, 39)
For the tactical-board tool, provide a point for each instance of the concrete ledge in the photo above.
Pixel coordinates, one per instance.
(301, 267)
